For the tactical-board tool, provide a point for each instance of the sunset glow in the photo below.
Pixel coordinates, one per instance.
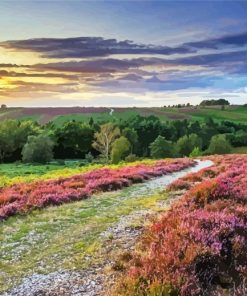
(92, 54)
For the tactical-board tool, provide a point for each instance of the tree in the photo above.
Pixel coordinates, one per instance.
(196, 152)
(74, 140)
(38, 149)
(91, 121)
(186, 144)
(13, 136)
(104, 139)
(208, 129)
(219, 145)
(148, 129)
(161, 148)
(120, 149)
(131, 135)
(194, 128)
(214, 102)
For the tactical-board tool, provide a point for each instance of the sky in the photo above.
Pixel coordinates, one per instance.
(122, 53)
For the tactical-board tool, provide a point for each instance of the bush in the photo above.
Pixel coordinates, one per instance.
(219, 145)
(131, 158)
(119, 149)
(89, 157)
(38, 149)
(161, 148)
(196, 152)
(186, 144)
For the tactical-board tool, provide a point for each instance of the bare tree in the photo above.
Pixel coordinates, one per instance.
(105, 138)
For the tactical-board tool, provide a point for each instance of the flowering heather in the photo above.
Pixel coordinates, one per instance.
(199, 247)
(22, 197)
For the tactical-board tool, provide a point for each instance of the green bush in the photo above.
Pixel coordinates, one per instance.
(186, 144)
(38, 149)
(131, 158)
(196, 152)
(219, 145)
(120, 148)
(161, 148)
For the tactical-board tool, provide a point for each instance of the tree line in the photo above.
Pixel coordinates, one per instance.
(117, 140)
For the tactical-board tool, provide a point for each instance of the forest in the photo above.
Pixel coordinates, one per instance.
(104, 142)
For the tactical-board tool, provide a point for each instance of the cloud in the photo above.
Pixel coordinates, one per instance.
(131, 77)
(214, 59)
(129, 72)
(28, 89)
(10, 66)
(236, 40)
(85, 47)
(88, 47)
(4, 73)
(106, 65)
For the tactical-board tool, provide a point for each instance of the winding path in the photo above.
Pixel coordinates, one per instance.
(121, 236)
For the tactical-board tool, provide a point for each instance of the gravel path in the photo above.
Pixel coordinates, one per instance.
(99, 278)
(96, 280)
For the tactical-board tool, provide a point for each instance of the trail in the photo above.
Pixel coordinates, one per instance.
(111, 112)
(134, 207)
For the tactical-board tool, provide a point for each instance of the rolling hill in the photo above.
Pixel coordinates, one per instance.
(61, 114)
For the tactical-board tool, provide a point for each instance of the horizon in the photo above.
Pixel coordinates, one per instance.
(122, 54)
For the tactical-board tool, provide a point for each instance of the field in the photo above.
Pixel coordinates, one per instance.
(60, 115)
(129, 229)
(240, 150)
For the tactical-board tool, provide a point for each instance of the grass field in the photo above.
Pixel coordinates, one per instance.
(60, 115)
(239, 150)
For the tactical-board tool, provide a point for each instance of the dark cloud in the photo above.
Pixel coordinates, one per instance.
(236, 40)
(116, 65)
(100, 65)
(4, 73)
(156, 84)
(131, 77)
(215, 59)
(10, 66)
(84, 47)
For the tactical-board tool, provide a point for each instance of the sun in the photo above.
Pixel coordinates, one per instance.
(6, 83)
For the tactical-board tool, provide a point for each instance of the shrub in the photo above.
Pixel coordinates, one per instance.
(186, 144)
(22, 197)
(89, 157)
(199, 247)
(161, 148)
(131, 158)
(38, 149)
(219, 145)
(196, 152)
(120, 148)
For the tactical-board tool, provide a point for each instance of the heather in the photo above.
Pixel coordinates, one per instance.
(23, 197)
(199, 247)
(21, 173)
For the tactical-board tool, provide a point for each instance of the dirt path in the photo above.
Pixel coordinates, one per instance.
(116, 243)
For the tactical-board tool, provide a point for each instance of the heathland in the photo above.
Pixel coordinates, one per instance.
(140, 201)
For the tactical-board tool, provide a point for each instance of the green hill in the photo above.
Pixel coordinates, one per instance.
(61, 114)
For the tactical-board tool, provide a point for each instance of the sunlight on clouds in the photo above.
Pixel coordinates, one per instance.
(17, 57)
(44, 80)
(6, 83)
(21, 57)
